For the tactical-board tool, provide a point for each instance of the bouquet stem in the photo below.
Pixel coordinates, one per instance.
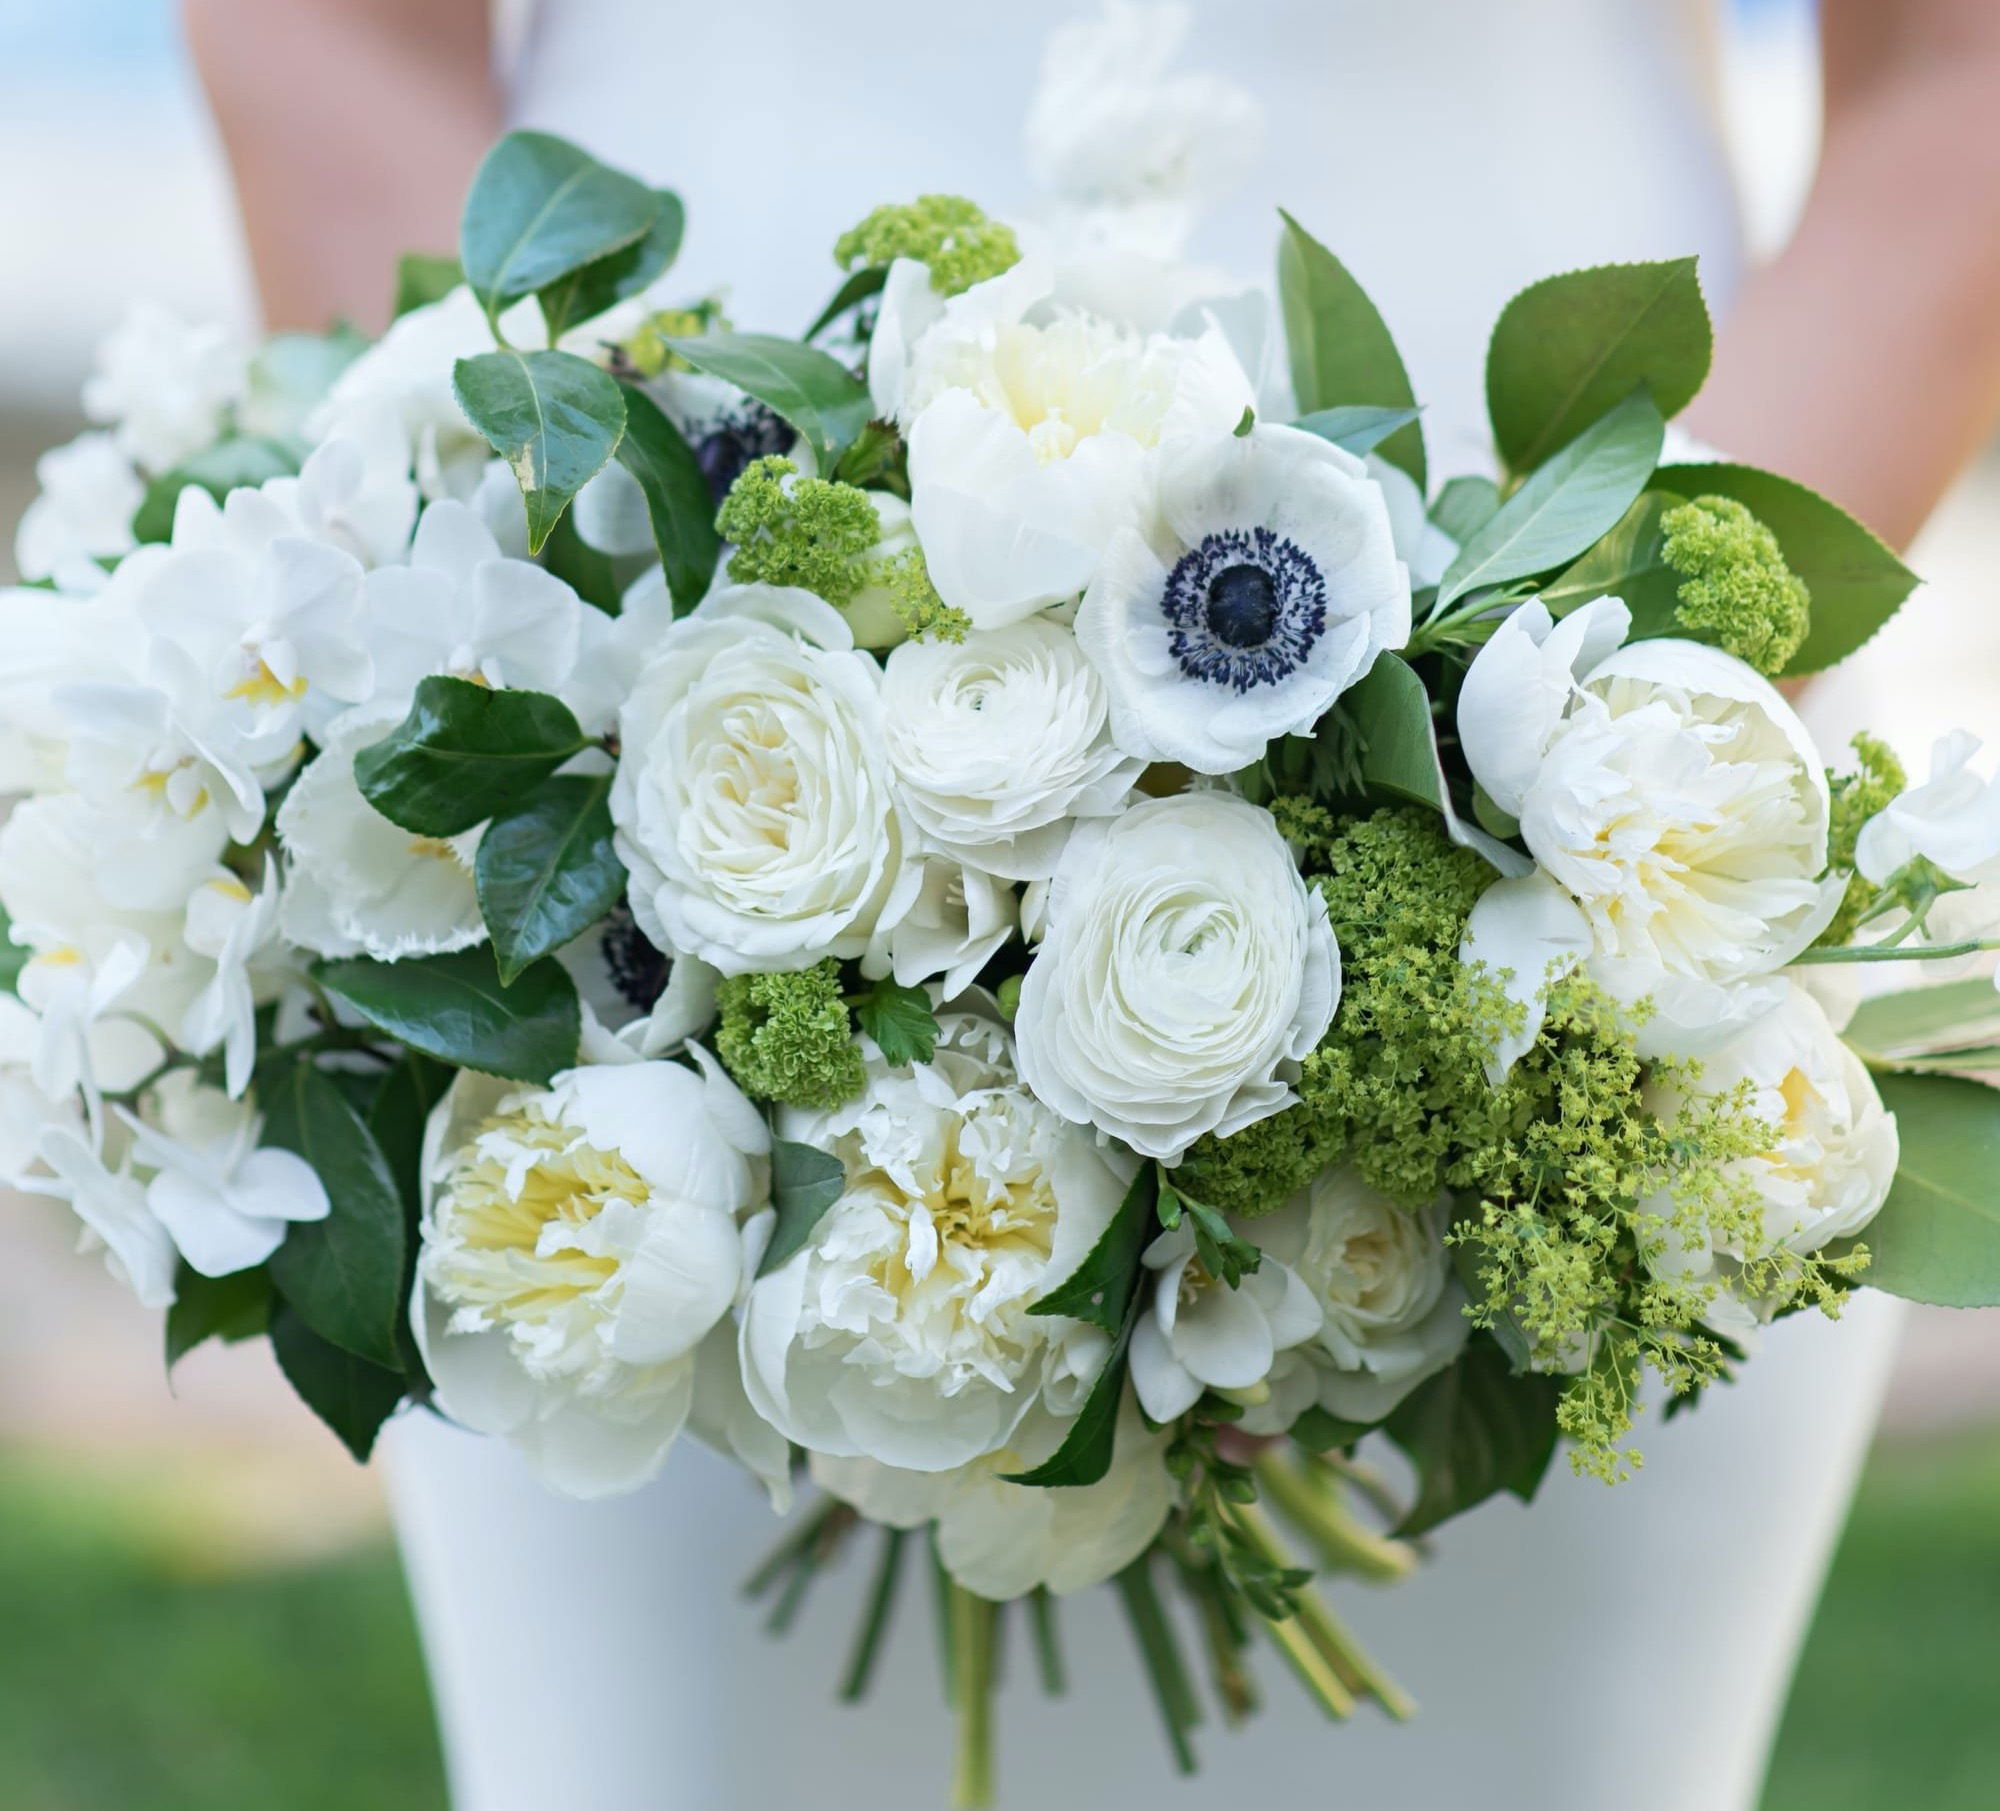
(1315, 1506)
(972, 1678)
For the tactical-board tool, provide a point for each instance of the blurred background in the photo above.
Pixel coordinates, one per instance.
(199, 1606)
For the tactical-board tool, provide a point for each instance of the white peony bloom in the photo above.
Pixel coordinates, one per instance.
(1826, 1176)
(1032, 441)
(1392, 1312)
(579, 1244)
(357, 884)
(1677, 808)
(958, 920)
(164, 387)
(1197, 1333)
(1185, 972)
(753, 798)
(1267, 587)
(225, 1201)
(235, 929)
(112, 1206)
(999, 741)
(901, 1331)
(83, 511)
(1003, 1540)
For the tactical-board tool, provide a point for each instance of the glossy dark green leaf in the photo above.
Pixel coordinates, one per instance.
(555, 418)
(1086, 1452)
(677, 499)
(1101, 1287)
(227, 1308)
(900, 1021)
(1392, 714)
(592, 575)
(462, 753)
(1628, 563)
(396, 1115)
(1473, 1430)
(352, 1396)
(1937, 1238)
(423, 278)
(233, 464)
(546, 870)
(454, 1008)
(1570, 347)
(342, 1275)
(812, 390)
(592, 289)
(805, 1182)
(860, 285)
(1340, 348)
(1357, 429)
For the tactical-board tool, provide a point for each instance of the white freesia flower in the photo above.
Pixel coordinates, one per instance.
(225, 1201)
(957, 921)
(999, 741)
(1032, 441)
(1677, 808)
(1185, 972)
(753, 798)
(163, 386)
(356, 883)
(901, 1331)
(579, 1244)
(1003, 1540)
(235, 929)
(1392, 1312)
(1951, 820)
(83, 512)
(1826, 1176)
(1266, 588)
(112, 1206)
(1197, 1333)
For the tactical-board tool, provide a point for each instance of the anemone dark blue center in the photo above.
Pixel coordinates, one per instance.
(634, 967)
(1244, 609)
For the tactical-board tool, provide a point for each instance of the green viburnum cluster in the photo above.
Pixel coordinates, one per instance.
(811, 532)
(1735, 588)
(786, 1037)
(1878, 780)
(951, 235)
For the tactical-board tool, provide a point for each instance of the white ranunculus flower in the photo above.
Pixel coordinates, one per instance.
(1267, 587)
(1197, 1333)
(1185, 972)
(1032, 440)
(753, 799)
(1393, 1313)
(1676, 806)
(579, 1244)
(901, 1331)
(83, 511)
(1002, 1540)
(999, 741)
(164, 387)
(1830, 1169)
(357, 884)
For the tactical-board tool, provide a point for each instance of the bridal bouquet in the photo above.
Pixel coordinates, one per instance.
(997, 909)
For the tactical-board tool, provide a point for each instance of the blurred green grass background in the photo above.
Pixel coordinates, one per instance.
(141, 1669)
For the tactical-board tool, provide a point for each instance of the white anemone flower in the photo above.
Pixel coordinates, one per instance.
(165, 387)
(902, 1331)
(83, 510)
(580, 1244)
(637, 1000)
(1267, 587)
(236, 930)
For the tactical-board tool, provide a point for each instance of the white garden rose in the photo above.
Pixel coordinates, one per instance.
(1678, 811)
(1265, 588)
(1824, 1178)
(753, 799)
(999, 741)
(1003, 1540)
(1392, 1313)
(902, 1330)
(580, 1242)
(1185, 972)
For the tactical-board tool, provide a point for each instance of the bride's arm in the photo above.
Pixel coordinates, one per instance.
(1865, 360)
(352, 128)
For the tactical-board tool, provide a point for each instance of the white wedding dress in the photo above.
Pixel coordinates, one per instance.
(1627, 1647)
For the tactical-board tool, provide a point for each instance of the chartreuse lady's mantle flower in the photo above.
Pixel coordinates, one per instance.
(1735, 588)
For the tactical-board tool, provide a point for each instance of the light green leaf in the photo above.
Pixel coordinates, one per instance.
(352, 1396)
(546, 870)
(1937, 1238)
(462, 753)
(1357, 429)
(677, 499)
(812, 390)
(1568, 348)
(423, 278)
(1629, 563)
(594, 288)
(1465, 506)
(291, 375)
(454, 1008)
(234, 464)
(805, 1182)
(1392, 712)
(1922, 1019)
(1341, 352)
(1473, 1430)
(1566, 504)
(555, 418)
(1857, 584)
(900, 1021)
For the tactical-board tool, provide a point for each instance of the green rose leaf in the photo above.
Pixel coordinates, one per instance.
(1399, 741)
(1086, 1452)
(1629, 563)
(1474, 1429)
(1922, 1021)
(546, 870)
(811, 389)
(464, 752)
(555, 418)
(1937, 1238)
(343, 1276)
(1857, 584)
(1568, 348)
(1341, 352)
(1357, 428)
(1566, 504)
(541, 207)
(805, 1182)
(352, 1396)
(677, 499)
(454, 1009)
(227, 1308)
(237, 463)
(592, 289)
(423, 278)
(868, 281)
(900, 1021)
(1101, 1287)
